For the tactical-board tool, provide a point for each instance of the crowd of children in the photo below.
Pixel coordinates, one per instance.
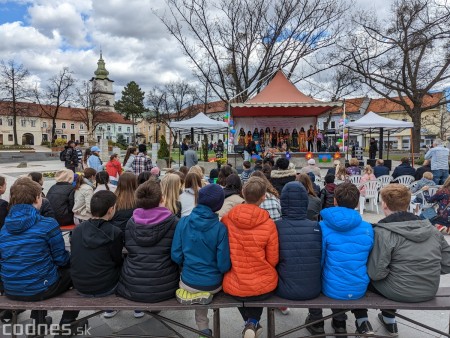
(190, 239)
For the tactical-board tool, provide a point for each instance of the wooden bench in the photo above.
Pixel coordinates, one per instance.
(369, 301)
(71, 300)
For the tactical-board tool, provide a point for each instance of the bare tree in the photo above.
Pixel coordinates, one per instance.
(54, 95)
(236, 44)
(91, 111)
(441, 121)
(404, 57)
(14, 90)
(174, 101)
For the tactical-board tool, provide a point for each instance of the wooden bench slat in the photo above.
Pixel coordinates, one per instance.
(70, 300)
(370, 301)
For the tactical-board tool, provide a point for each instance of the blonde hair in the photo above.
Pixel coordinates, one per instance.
(353, 162)
(341, 173)
(446, 183)
(170, 186)
(368, 169)
(428, 175)
(254, 189)
(196, 169)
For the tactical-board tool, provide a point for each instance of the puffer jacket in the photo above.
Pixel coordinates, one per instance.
(253, 250)
(96, 256)
(148, 273)
(346, 244)
(61, 198)
(279, 178)
(407, 258)
(46, 209)
(31, 250)
(299, 269)
(121, 218)
(201, 247)
(82, 205)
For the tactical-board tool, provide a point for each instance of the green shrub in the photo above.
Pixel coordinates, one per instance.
(163, 152)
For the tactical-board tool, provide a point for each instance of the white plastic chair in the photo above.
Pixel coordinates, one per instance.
(355, 179)
(416, 208)
(406, 180)
(371, 193)
(384, 180)
(413, 185)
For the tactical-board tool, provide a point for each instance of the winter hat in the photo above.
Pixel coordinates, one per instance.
(311, 161)
(155, 171)
(64, 175)
(212, 196)
(142, 148)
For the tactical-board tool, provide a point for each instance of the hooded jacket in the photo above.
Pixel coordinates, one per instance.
(96, 256)
(187, 200)
(299, 268)
(404, 169)
(82, 201)
(253, 250)
(279, 178)
(121, 218)
(327, 195)
(201, 247)
(407, 258)
(31, 250)
(148, 274)
(346, 244)
(61, 198)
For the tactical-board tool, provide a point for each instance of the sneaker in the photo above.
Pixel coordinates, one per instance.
(391, 328)
(315, 329)
(285, 310)
(252, 331)
(441, 228)
(109, 314)
(364, 328)
(339, 327)
(189, 298)
(208, 332)
(139, 314)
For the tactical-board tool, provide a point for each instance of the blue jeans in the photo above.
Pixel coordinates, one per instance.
(439, 176)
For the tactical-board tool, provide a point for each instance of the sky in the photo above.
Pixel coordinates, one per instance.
(47, 35)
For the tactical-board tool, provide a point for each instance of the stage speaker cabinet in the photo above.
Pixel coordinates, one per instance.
(387, 163)
(239, 149)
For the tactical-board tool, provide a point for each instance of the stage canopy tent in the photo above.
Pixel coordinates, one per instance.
(200, 124)
(372, 121)
(280, 98)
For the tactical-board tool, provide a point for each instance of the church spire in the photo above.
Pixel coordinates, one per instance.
(101, 72)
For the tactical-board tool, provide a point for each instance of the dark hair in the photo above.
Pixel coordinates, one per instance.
(247, 164)
(148, 194)
(267, 170)
(24, 191)
(234, 182)
(347, 195)
(270, 187)
(181, 175)
(101, 201)
(214, 173)
(405, 160)
(224, 172)
(269, 160)
(113, 156)
(102, 177)
(70, 142)
(35, 176)
(130, 151)
(144, 177)
(183, 169)
(282, 163)
(329, 178)
(307, 183)
(87, 173)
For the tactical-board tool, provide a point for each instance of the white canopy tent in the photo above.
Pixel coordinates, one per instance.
(371, 121)
(199, 124)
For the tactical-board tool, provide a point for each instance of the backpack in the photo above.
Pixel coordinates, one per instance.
(62, 155)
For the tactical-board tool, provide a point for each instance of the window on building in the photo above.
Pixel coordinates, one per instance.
(107, 102)
(10, 122)
(119, 129)
(64, 137)
(108, 128)
(128, 129)
(44, 137)
(72, 126)
(1, 122)
(10, 138)
(23, 123)
(33, 123)
(63, 125)
(333, 124)
(44, 124)
(81, 126)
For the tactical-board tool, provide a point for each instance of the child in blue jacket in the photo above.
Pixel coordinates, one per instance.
(346, 244)
(200, 246)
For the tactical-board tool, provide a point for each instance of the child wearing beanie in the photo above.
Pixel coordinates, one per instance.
(200, 246)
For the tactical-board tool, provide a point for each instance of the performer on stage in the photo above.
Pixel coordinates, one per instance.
(287, 138)
(302, 139)
(255, 135)
(261, 139)
(248, 138)
(241, 141)
(310, 137)
(267, 138)
(295, 138)
(280, 138)
(274, 138)
(319, 139)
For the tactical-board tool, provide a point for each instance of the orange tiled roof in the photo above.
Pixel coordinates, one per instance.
(351, 106)
(383, 105)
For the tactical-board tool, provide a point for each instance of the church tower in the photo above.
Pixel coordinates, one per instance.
(102, 86)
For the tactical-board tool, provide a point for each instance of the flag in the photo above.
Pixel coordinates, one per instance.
(324, 158)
